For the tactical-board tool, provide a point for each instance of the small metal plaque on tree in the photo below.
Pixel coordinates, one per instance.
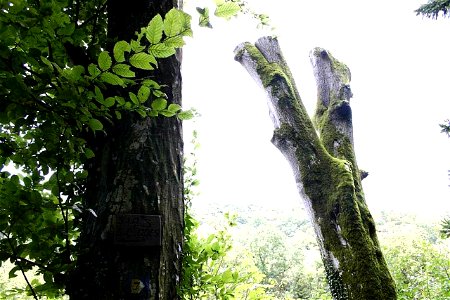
(137, 230)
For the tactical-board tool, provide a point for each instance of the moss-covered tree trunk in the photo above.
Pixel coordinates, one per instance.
(135, 181)
(322, 157)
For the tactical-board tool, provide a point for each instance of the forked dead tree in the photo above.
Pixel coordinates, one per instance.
(322, 157)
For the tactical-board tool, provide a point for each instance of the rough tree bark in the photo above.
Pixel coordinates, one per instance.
(136, 172)
(322, 157)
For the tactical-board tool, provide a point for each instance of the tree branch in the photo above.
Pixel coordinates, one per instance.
(324, 167)
(17, 260)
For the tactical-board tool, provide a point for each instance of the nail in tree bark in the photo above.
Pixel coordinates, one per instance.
(322, 157)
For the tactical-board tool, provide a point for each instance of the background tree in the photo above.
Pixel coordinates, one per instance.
(325, 167)
(137, 170)
(83, 167)
(77, 94)
(433, 8)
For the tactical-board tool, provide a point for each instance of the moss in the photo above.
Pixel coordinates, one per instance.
(346, 223)
(331, 180)
(339, 68)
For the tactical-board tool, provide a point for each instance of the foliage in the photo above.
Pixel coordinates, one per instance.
(287, 254)
(445, 127)
(281, 246)
(62, 83)
(230, 8)
(445, 230)
(433, 8)
(420, 269)
(58, 87)
(281, 254)
(209, 272)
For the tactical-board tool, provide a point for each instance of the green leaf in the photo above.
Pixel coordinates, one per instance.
(73, 74)
(173, 22)
(47, 62)
(142, 61)
(123, 70)
(159, 93)
(159, 104)
(185, 115)
(167, 113)
(118, 115)
(174, 108)
(111, 78)
(93, 70)
(89, 153)
(98, 94)
(154, 29)
(133, 98)
(143, 93)
(161, 51)
(186, 19)
(12, 272)
(136, 46)
(227, 10)
(203, 20)
(151, 83)
(104, 60)
(227, 276)
(27, 181)
(119, 50)
(142, 113)
(110, 101)
(174, 42)
(95, 124)
(153, 113)
(120, 100)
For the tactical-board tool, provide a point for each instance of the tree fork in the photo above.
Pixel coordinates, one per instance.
(322, 157)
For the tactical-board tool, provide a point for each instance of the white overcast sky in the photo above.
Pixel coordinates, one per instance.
(400, 80)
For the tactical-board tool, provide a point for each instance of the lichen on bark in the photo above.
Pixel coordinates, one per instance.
(322, 157)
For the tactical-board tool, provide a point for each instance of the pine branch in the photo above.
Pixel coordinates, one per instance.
(433, 8)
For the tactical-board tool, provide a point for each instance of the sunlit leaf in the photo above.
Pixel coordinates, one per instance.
(143, 93)
(162, 51)
(136, 46)
(227, 10)
(159, 104)
(119, 50)
(104, 60)
(94, 70)
(167, 113)
(185, 115)
(142, 61)
(155, 29)
(133, 98)
(174, 42)
(111, 78)
(173, 107)
(123, 70)
(173, 22)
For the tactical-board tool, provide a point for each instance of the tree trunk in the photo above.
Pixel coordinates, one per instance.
(325, 167)
(131, 241)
